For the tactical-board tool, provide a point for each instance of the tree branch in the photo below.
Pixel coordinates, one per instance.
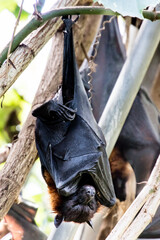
(25, 53)
(35, 23)
(153, 16)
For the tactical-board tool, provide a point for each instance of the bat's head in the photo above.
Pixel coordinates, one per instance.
(79, 207)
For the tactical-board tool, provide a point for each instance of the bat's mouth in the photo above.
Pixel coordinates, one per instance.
(88, 192)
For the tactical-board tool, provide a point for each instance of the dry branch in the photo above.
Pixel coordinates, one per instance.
(25, 53)
(23, 152)
(148, 200)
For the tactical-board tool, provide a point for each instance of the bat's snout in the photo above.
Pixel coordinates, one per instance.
(90, 191)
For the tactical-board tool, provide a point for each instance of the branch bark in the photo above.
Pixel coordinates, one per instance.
(23, 152)
(153, 16)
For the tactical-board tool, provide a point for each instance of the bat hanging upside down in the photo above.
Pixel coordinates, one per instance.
(71, 147)
(78, 207)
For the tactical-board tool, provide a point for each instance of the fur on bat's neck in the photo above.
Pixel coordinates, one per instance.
(55, 198)
(79, 207)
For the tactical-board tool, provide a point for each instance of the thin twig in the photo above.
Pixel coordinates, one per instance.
(15, 27)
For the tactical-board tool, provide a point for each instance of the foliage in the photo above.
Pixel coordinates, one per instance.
(12, 114)
(132, 8)
(13, 7)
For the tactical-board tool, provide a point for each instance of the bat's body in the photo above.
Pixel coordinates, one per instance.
(71, 147)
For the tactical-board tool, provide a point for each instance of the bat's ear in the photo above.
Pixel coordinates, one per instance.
(58, 220)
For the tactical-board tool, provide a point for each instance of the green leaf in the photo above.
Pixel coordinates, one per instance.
(9, 4)
(131, 8)
(12, 6)
(24, 14)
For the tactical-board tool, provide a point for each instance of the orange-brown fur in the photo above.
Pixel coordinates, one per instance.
(121, 172)
(55, 198)
(119, 167)
(63, 206)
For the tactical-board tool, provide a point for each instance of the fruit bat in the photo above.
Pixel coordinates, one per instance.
(71, 147)
(139, 140)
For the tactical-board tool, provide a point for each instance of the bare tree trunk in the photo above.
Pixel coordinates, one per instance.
(23, 152)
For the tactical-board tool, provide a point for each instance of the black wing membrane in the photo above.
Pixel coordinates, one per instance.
(69, 141)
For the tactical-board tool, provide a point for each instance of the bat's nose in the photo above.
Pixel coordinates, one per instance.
(90, 191)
